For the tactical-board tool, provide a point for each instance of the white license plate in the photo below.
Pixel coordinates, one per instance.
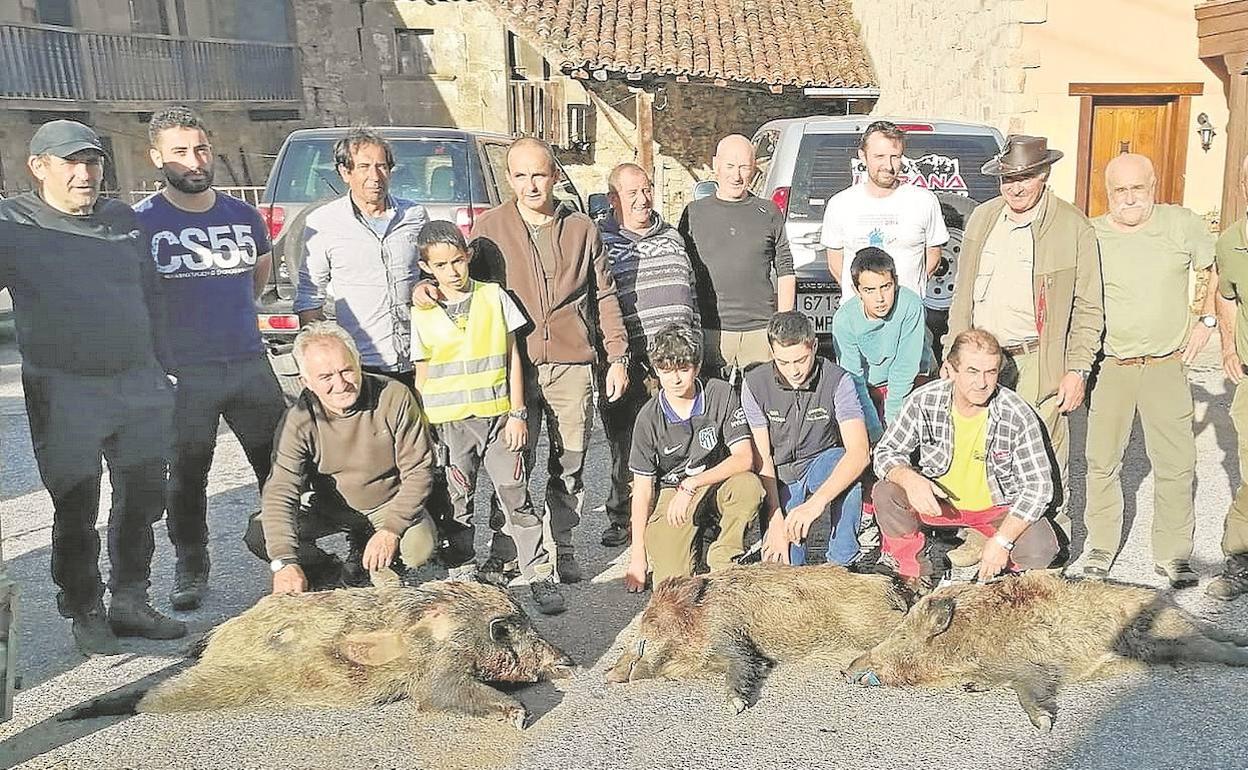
(819, 308)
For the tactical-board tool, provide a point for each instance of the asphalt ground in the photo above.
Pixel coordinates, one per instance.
(1189, 717)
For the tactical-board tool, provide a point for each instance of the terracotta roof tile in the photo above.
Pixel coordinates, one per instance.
(769, 42)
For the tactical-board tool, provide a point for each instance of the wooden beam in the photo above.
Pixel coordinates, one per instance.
(1182, 116)
(1137, 89)
(645, 131)
(1083, 156)
(1236, 141)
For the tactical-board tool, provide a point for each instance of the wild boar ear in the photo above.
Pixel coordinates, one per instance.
(939, 616)
(505, 627)
(372, 648)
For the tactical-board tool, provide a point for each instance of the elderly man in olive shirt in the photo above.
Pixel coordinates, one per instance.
(360, 442)
(1147, 252)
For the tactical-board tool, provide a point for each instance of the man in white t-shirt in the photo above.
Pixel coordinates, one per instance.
(884, 212)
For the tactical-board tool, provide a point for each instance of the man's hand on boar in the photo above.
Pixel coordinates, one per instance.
(290, 580)
(797, 523)
(776, 543)
(635, 576)
(380, 550)
(993, 560)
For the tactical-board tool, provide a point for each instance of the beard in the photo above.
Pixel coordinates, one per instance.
(182, 182)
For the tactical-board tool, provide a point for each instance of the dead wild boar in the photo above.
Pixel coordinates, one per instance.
(436, 645)
(1037, 631)
(744, 619)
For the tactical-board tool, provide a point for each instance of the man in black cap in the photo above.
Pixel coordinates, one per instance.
(81, 282)
(1030, 273)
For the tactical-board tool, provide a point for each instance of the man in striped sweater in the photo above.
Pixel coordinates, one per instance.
(654, 283)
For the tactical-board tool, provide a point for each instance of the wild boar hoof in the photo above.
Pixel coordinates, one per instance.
(1043, 722)
(737, 704)
(514, 715)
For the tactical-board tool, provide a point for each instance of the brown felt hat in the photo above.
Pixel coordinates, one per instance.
(1020, 155)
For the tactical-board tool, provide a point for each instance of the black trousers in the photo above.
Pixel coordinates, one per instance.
(75, 420)
(247, 395)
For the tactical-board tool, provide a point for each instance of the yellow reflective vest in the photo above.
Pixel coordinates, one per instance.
(467, 363)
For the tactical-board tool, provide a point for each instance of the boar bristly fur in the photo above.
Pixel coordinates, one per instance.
(436, 645)
(1037, 631)
(743, 620)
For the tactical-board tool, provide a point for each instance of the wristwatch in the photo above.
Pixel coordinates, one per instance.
(1083, 373)
(1008, 545)
(1210, 321)
(519, 414)
(277, 565)
(624, 359)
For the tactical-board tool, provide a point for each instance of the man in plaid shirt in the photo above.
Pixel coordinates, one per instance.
(982, 463)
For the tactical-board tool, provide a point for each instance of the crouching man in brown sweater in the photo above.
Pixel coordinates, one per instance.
(359, 443)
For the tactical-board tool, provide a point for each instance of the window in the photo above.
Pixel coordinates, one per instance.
(58, 12)
(150, 16)
(426, 171)
(764, 149)
(413, 51)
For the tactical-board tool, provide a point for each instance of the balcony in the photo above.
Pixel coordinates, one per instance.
(55, 64)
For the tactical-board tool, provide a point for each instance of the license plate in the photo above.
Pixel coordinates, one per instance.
(819, 308)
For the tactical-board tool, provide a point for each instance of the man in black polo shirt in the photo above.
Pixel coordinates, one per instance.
(82, 287)
(692, 442)
(808, 425)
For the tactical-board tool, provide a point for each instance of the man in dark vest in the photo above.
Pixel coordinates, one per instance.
(808, 424)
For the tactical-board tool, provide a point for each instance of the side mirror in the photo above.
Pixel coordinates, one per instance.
(705, 189)
(599, 204)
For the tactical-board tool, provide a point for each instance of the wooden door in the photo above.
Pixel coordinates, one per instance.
(1139, 128)
(1146, 118)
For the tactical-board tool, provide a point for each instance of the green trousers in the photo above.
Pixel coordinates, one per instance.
(1160, 394)
(732, 505)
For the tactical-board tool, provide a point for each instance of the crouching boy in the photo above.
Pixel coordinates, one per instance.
(469, 377)
(982, 463)
(691, 460)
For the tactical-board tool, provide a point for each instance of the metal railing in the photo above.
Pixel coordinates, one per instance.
(62, 64)
(248, 193)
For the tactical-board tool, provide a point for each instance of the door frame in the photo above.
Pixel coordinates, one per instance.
(1090, 94)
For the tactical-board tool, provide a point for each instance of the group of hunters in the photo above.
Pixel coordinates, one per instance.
(448, 355)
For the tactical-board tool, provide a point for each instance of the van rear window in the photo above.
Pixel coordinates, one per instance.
(426, 171)
(828, 163)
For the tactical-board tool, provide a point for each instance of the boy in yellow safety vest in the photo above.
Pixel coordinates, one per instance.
(469, 377)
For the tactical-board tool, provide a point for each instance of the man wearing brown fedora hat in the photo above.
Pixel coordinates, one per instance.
(1030, 273)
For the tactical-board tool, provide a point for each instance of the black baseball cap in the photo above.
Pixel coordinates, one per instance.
(63, 138)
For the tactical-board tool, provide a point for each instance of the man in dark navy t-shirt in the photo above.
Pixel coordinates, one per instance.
(212, 258)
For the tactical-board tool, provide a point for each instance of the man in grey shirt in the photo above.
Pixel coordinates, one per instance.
(364, 243)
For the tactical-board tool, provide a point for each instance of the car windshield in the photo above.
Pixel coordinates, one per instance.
(828, 163)
(425, 171)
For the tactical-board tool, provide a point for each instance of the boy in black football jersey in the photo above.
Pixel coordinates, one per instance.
(691, 462)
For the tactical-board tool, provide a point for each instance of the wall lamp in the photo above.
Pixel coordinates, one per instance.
(1205, 130)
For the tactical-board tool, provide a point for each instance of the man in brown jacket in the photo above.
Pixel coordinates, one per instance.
(1030, 273)
(552, 260)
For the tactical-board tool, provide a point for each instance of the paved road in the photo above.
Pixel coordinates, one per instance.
(1190, 717)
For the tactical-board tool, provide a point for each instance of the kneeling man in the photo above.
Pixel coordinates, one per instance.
(357, 441)
(693, 443)
(982, 464)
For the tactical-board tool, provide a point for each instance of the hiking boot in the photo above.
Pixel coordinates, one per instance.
(1179, 572)
(92, 634)
(132, 615)
(1233, 582)
(566, 567)
(549, 599)
(190, 582)
(497, 572)
(1097, 564)
(464, 573)
(967, 554)
(616, 535)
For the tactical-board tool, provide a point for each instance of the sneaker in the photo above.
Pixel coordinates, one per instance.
(567, 569)
(549, 599)
(1233, 582)
(616, 535)
(967, 554)
(464, 573)
(1097, 564)
(92, 634)
(1179, 572)
(497, 572)
(190, 582)
(132, 615)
